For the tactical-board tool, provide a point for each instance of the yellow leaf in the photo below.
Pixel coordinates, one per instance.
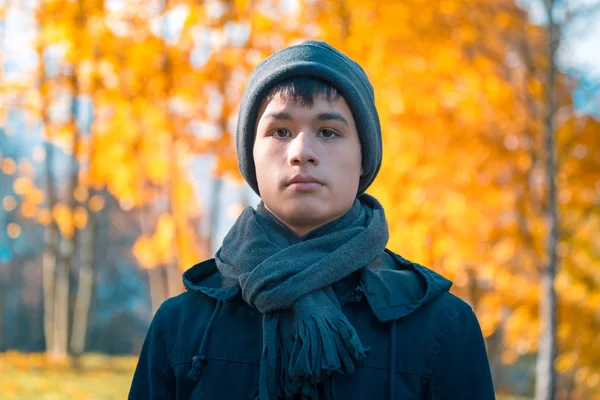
(9, 203)
(80, 217)
(13, 230)
(144, 253)
(9, 166)
(96, 203)
(62, 216)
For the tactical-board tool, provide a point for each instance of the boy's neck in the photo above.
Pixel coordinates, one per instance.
(300, 230)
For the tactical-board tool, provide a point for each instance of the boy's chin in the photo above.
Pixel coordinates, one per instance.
(304, 208)
(307, 217)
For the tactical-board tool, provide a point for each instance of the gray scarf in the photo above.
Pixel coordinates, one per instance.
(306, 337)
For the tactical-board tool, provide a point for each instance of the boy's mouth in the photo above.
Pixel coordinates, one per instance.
(303, 179)
(304, 183)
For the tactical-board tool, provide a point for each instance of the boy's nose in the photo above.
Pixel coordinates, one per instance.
(300, 150)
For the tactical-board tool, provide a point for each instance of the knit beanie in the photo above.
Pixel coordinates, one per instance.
(319, 60)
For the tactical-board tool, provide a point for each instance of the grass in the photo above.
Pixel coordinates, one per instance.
(98, 377)
(30, 376)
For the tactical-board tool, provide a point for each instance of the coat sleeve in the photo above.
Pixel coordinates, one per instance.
(153, 377)
(461, 370)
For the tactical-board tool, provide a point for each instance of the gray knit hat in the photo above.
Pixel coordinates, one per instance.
(320, 60)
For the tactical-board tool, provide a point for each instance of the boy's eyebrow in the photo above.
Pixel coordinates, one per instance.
(278, 115)
(319, 117)
(331, 116)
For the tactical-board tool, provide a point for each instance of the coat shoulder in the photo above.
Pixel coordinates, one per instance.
(443, 312)
(183, 319)
(449, 303)
(182, 308)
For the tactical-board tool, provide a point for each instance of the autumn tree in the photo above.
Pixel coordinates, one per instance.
(71, 26)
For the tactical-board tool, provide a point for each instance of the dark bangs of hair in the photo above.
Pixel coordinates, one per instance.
(303, 90)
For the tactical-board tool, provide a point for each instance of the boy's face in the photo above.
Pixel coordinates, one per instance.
(319, 147)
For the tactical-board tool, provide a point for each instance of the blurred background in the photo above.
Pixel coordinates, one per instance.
(118, 169)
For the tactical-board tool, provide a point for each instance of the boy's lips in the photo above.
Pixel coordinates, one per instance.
(304, 183)
(303, 179)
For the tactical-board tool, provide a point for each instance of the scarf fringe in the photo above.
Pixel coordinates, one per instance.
(321, 347)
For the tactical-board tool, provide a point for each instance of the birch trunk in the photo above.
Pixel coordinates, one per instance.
(84, 288)
(545, 387)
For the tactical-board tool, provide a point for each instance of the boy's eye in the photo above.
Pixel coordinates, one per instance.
(281, 133)
(328, 133)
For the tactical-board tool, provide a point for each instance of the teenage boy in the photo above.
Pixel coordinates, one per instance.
(303, 300)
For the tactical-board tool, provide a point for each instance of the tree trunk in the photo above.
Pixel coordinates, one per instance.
(494, 349)
(545, 387)
(243, 195)
(215, 211)
(69, 245)
(473, 288)
(48, 270)
(85, 287)
(174, 282)
(51, 252)
(50, 260)
(85, 281)
(60, 333)
(157, 285)
(63, 271)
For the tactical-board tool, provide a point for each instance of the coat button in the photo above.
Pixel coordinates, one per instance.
(359, 293)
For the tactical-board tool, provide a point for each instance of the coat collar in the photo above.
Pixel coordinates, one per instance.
(394, 287)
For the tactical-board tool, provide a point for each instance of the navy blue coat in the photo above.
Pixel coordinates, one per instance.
(425, 343)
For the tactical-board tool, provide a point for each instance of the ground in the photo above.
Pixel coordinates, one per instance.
(98, 377)
(29, 376)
